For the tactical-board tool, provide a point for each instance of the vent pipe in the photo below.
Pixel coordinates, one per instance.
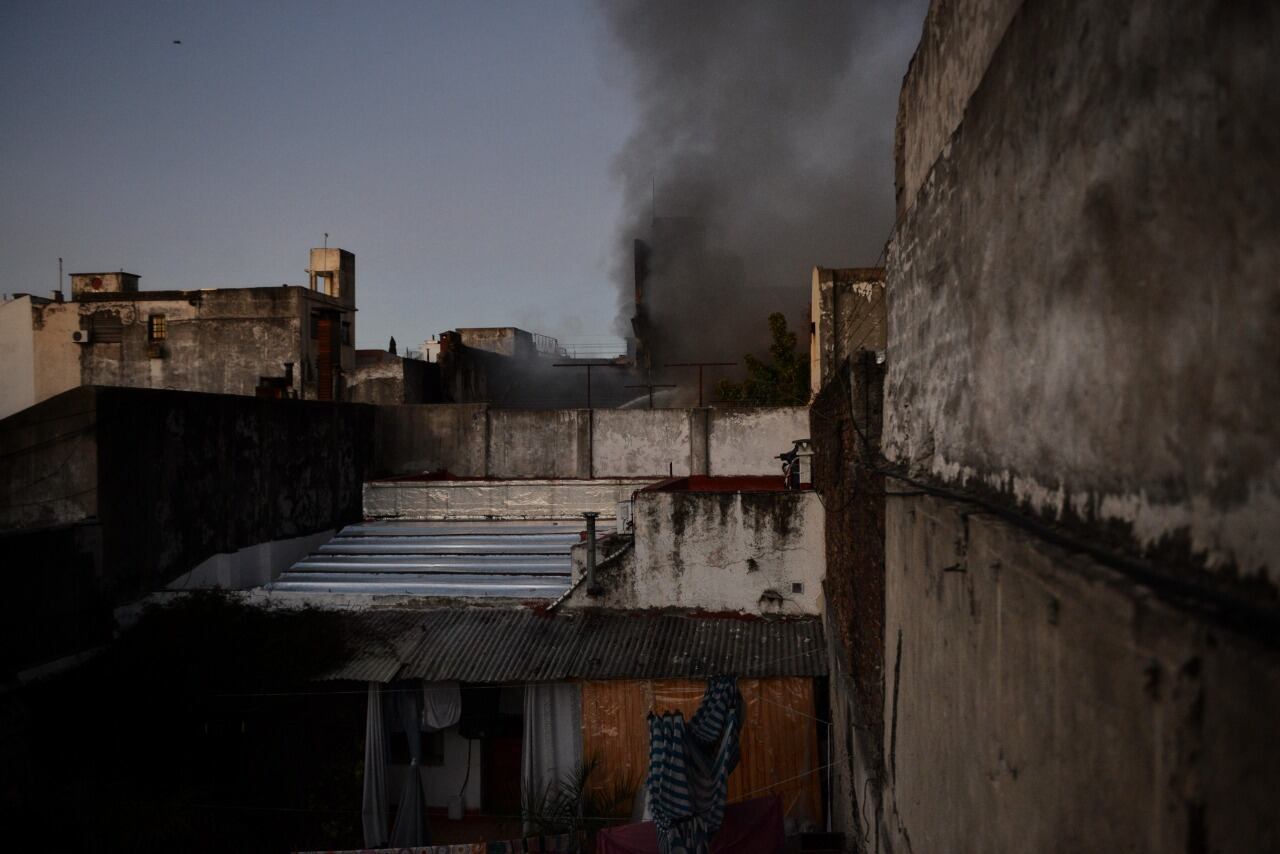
(592, 589)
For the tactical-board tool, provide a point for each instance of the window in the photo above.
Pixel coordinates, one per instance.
(155, 327)
(107, 327)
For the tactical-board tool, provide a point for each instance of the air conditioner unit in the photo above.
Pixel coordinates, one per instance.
(81, 336)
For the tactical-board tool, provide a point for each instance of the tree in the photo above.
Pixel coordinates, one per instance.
(783, 381)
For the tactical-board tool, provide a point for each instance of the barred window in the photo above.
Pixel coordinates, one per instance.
(155, 327)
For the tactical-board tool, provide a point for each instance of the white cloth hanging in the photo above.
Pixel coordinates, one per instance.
(441, 705)
(374, 807)
(552, 748)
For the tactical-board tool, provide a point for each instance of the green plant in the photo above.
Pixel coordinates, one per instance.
(783, 381)
(573, 804)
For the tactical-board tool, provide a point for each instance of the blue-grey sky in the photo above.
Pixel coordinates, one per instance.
(465, 151)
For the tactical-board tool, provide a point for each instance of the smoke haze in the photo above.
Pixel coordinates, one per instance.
(763, 146)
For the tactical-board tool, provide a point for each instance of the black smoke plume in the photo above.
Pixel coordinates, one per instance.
(763, 147)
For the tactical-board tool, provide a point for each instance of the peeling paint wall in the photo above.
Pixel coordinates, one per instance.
(741, 552)
(1036, 701)
(1082, 311)
(1082, 300)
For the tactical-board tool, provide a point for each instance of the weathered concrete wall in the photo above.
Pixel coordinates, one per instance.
(56, 355)
(49, 462)
(1083, 302)
(413, 439)
(748, 441)
(1036, 701)
(955, 48)
(644, 442)
(553, 443)
(511, 499)
(218, 340)
(18, 387)
(741, 552)
(387, 380)
(847, 314)
(165, 480)
(476, 441)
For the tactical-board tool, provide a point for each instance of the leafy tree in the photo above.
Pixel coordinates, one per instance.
(782, 381)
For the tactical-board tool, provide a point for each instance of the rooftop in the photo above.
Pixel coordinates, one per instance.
(485, 559)
(523, 645)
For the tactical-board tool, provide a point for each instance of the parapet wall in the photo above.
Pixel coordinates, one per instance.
(473, 440)
(1082, 299)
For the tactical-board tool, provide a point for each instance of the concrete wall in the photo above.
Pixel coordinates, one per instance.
(632, 442)
(748, 441)
(219, 341)
(17, 391)
(513, 499)
(387, 380)
(847, 313)
(415, 439)
(553, 443)
(151, 484)
(1082, 301)
(955, 48)
(738, 552)
(1082, 308)
(1039, 702)
(49, 462)
(475, 441)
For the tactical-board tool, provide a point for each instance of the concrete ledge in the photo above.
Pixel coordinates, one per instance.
(499, 499)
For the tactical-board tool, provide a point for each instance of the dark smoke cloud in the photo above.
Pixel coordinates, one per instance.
(769, 125)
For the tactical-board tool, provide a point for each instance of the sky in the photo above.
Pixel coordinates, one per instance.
(466, 152)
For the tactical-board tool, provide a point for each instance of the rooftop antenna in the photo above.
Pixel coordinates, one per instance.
(326, 240)
(59, 275)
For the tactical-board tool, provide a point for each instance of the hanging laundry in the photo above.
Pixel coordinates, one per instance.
(689, 767)
(441, 705)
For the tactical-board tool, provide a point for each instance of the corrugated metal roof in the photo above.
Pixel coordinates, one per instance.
(447, 559)
(489, 645)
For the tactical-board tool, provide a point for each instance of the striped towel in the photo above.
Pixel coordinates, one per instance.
(689, 767)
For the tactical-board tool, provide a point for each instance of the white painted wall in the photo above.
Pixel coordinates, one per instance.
(641, 442)
(718, 552)
(443, 782)
(17, 349)
(748, 441)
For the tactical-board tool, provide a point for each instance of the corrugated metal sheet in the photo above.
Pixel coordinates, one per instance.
(443, 559)
(494, 645)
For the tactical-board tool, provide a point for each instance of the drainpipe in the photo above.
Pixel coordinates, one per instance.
(592, 589)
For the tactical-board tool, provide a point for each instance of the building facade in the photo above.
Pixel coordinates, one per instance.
(288, 341)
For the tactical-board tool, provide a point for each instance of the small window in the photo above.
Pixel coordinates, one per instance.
(107, 327)
(156, 327)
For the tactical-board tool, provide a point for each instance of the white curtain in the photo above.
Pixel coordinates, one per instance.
(552, 733)
(411, 826)
(374, 806)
